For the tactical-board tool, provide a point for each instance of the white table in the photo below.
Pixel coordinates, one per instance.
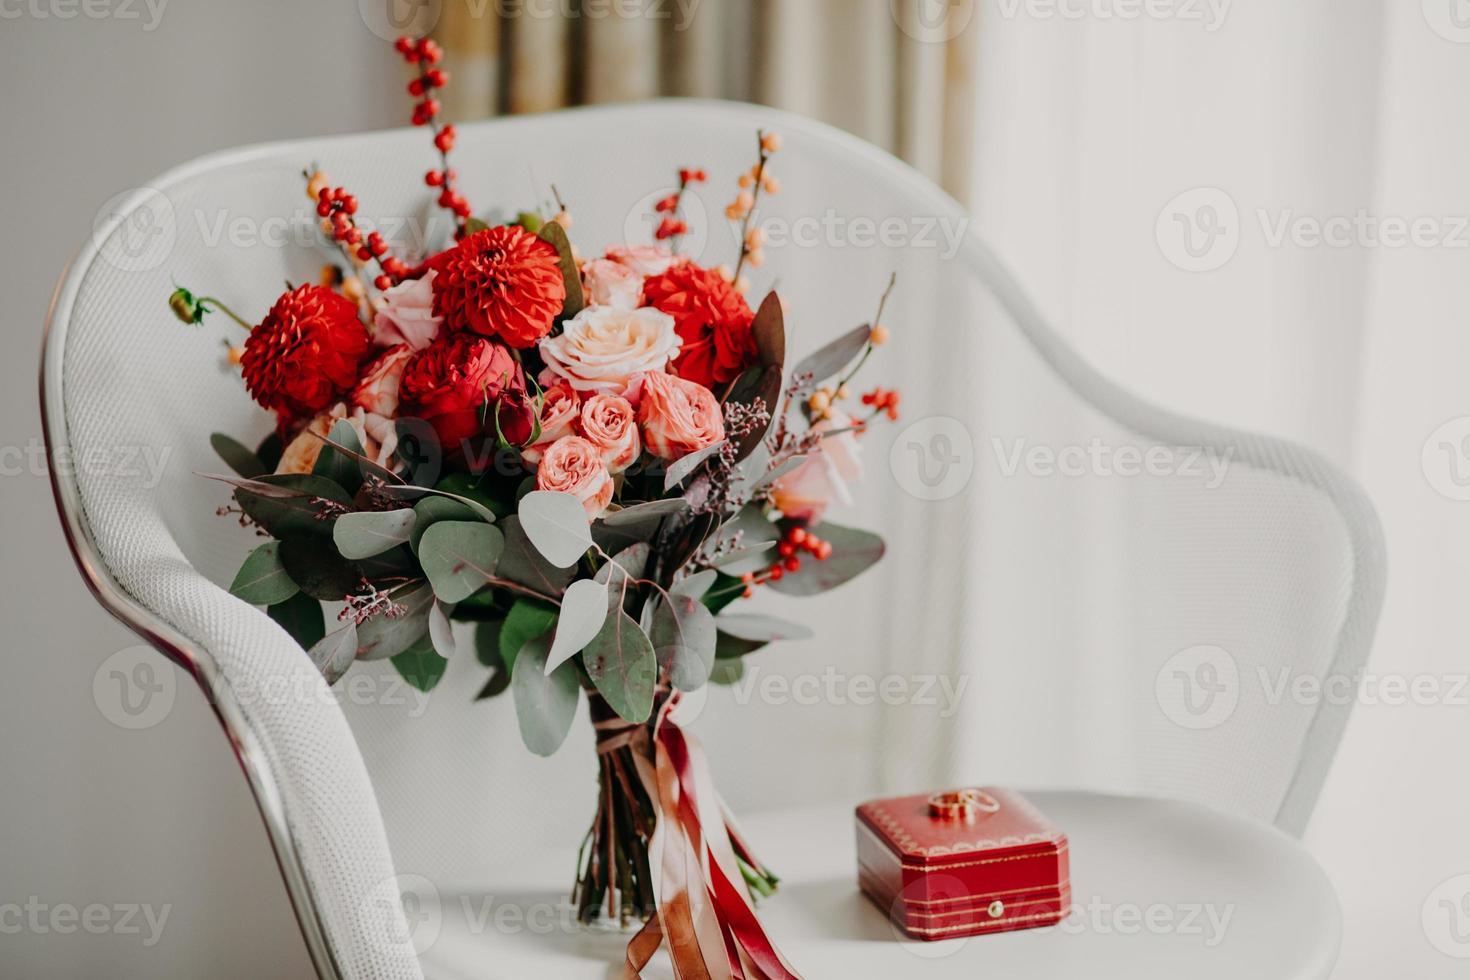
(1160, 890)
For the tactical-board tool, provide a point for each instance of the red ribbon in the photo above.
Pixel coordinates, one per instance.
(705, 913)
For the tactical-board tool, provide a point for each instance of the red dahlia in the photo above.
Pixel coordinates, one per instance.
(461, 384)
(712, 319)
(305, 353)
(501, 282)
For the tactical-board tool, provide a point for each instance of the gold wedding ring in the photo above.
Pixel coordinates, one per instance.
(961, 804)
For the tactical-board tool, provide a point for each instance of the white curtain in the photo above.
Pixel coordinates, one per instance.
(1316, 154)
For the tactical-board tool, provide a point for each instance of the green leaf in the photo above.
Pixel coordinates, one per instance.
(270, 451)
(464, 486)
(769, 331)
(621, 663)
(368, 533)
(742, 560)
(263, 580)
(683, 637)
(729, 647)
(625, 566)
(521, 563)
(727, 672)
(301, 616)
(696, 585)
(649, 511)
(828, 361)
(415, 493)
(531, 221)
(853, 552)
(387, 636)
(766, 387)
(487, 643)
(545, 705)
(395, 565)
(334, 653)
(341, 467)
(291, 503)
(459, 557)
(583, 611)
(526, 620)
(680, 468)
(315, 565)
(497, 685)
(472, 225)
(763, 629)
(431, 509)
(421, 665)
(441, 629)
(724, 590)
(236, 456)
(571, 278)
(557, 525)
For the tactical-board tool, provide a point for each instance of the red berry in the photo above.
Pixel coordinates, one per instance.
(446, 198)
(775, 573)
(748, 592)
(792, 564)
(437, 77)
(444, 141)
(785, 549)
(349, 204)
(798, 535)
(383, 282)
(364, 253)
(748, 577)
(433, 178)
(323, 208)
(416, 87)
(825, 551)
(352, 237)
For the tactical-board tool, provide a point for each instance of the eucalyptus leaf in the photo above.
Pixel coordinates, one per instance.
(334, 653)
(779, 470)
(853, 552)
(650, 510)
(829, 360)
(262, 579)
(556, 235)
(526, 620)
(557, 525)
(769, 331)
(237, 457)
(409, 492)
(729, 647)
(680, 468)
(487, 643)
(340, 465)
(743, 560)
(387, 636)
(459, 557)
(289, 504)
(521, 563)
(430, 509)
(764, 629)
(727, 672)
(622, 665)
(683, 638)
(368, 533)
(545, 705)
(441, 629)
(723, 591)
(421, 665)
(497, 685)
(621, 570)
(301, 616)
(696, 585)
(766, 390)
(315, 566)
(270, 450)
(583, 611)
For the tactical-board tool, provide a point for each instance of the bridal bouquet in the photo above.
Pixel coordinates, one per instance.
(591, 460)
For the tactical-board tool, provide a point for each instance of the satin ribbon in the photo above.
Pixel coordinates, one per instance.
(706, 916)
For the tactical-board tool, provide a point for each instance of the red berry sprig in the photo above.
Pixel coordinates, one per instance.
(883, 400)
(794, 541)
(427, 54)
(674, 226)
(338, 208)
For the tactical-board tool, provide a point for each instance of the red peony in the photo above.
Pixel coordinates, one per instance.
(501, 282)
(711, 318)
(305, 353)
(460, 385)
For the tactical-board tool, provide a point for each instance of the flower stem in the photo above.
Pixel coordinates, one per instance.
(226, 311)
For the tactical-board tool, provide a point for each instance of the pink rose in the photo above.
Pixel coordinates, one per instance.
(646, 260)
(301, 453)
(823, 477)
(608, 423)
(560, 407)
(609, 283)
(608, 350)
(377, 392)
(405, 314)
(573, 465)
(678, 417)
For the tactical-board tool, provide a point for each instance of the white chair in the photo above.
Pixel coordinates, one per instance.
(1116, 637)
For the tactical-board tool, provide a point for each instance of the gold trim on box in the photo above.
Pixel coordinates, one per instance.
(878, 813)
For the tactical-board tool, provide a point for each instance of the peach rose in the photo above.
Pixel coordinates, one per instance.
(609, 283)
(678, 417)
(646, 260)
(405, 314)
(823, 477)
(560, 407)
(301, 453)
(377, 392)
(573, 465)
(607, 350)
(608, 423)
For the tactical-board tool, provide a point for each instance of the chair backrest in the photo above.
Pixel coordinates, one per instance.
(1080, 590)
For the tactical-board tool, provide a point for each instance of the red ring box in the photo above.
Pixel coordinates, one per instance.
(977, 872)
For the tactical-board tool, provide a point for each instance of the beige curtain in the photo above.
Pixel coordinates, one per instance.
(899, 73)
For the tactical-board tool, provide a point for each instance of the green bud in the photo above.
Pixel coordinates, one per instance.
(186, 307)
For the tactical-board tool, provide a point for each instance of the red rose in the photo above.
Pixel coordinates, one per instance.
(460, 385)
(711, 318)
(501, 282)
(305, 353)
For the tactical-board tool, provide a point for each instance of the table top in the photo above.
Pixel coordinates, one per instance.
(1159, 889)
